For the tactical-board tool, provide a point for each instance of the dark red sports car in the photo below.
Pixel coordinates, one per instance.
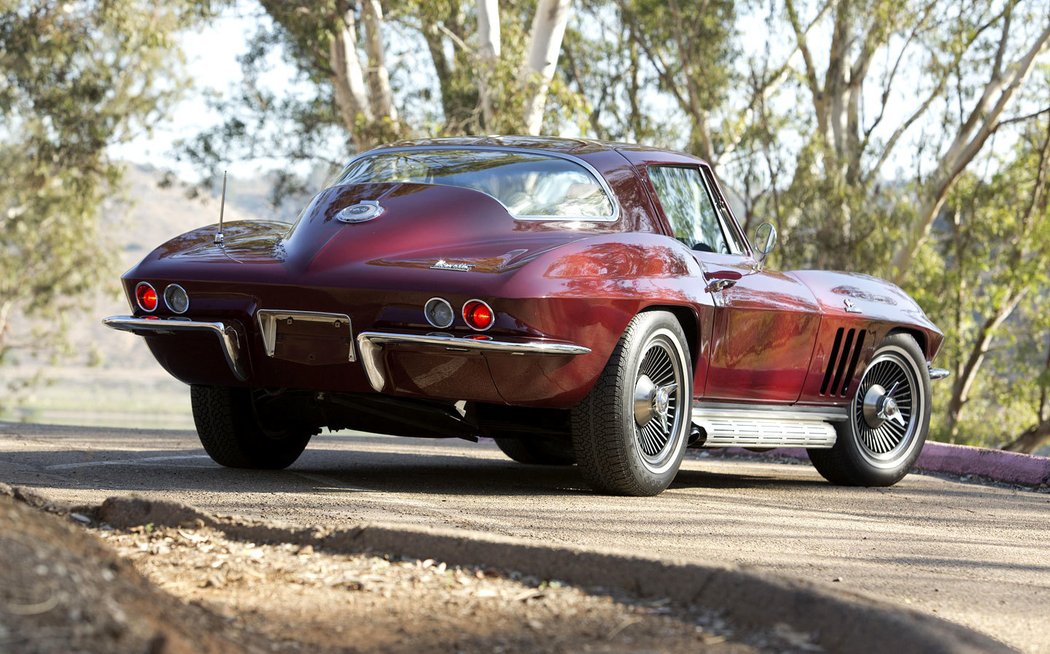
(581, 302)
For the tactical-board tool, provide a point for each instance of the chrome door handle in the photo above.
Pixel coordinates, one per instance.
(719, 285)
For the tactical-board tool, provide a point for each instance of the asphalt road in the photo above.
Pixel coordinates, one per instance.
(973, 554)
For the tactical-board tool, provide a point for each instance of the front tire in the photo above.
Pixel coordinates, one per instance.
(889, 417)
(233, 433)
(630, 432)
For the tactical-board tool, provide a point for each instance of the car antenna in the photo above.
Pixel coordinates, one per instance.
(219, 238)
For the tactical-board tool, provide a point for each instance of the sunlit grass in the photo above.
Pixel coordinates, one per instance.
(102, 398)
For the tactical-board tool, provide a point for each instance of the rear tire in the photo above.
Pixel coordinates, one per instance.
(232, 433)
(871, 449)
(630, 432)
(541, 450)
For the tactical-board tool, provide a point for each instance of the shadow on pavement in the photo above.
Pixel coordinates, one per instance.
(329, 470)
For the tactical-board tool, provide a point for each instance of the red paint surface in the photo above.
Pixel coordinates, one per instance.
(562, 280)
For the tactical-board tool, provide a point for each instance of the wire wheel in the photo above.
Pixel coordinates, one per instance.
(657, 406)
(629, 434)
(887, 408)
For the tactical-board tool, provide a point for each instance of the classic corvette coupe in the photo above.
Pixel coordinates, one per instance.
(582, 303)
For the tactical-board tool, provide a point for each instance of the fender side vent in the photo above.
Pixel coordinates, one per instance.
(857, 347)
(840, 370)
(842, 364)
(831, 361)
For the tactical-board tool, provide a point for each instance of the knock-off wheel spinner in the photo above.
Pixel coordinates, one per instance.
(656, 402)
(879, 406)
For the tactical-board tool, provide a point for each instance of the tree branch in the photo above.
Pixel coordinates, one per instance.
(969, 140)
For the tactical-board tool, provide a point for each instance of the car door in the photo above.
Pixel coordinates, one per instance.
(765, 322)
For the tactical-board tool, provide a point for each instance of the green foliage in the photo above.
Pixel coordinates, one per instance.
(992, 248)
(75, 78)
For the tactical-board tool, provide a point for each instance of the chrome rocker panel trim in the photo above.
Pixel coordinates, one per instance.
(226, 335)
(766, 426)
(371, 346)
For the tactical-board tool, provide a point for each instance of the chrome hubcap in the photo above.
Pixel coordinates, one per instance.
(887, 408)
(656, 401)
(879, 406)
(652, 401)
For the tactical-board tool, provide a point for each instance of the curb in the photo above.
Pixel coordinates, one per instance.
(839, 621)
(945, 458)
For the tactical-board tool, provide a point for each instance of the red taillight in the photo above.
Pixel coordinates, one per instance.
(146, 296)
(478, 315)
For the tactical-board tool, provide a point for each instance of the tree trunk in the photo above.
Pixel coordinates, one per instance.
(1030, 439)
(981, 123)
(966, 377)
(488, 56)
(382, 99)
(548, 30)
(348, 81)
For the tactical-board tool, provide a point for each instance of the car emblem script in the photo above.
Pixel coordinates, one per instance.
(441, 264)
(850, 308)
(363, 211)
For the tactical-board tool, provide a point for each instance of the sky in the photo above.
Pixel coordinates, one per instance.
(211, 62)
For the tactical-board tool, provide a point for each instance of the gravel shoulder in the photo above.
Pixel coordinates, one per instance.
(70, 583)
(972, 554)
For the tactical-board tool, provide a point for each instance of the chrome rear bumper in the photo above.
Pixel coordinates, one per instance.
(227, 336)
(371, 346)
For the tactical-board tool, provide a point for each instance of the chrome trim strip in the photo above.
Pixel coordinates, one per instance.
(938, 373)
(533, 151)
(780, 412)
(267, 319)
(371, 345)
(228, 339)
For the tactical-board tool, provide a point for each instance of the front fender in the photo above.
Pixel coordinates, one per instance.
(854, 295)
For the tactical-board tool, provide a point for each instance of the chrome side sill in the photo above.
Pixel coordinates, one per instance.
(371, 345)
(938, 373)
(728, 424)
(227, 336)
(780, 412)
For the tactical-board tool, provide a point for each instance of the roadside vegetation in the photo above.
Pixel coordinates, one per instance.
(909, 140)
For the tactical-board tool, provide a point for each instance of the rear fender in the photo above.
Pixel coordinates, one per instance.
(589, 290)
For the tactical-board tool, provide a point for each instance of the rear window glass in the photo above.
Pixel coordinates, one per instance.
(529, 185)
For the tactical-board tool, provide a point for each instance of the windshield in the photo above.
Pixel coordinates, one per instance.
(529, 185)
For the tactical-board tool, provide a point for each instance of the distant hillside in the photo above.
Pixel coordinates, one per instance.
(145, 217)
(112, 375)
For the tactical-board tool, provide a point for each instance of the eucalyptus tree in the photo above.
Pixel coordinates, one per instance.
(76, 77)
(988, 277)
(921, 85)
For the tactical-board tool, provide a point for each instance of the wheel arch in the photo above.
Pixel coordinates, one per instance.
(917, 334)
(690, 322)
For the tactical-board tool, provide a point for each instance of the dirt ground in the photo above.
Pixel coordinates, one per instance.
(68, 584)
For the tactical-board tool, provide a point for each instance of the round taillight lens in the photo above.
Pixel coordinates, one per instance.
(439, 312)
(146, 297)
(478, 315)
(176, 299)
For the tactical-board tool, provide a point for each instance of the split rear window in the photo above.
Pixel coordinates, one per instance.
(530, 185)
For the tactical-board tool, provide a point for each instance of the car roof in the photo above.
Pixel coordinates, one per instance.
(580, 147)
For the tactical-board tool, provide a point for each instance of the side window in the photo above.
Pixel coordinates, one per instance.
(736, 245)
(688, 206)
